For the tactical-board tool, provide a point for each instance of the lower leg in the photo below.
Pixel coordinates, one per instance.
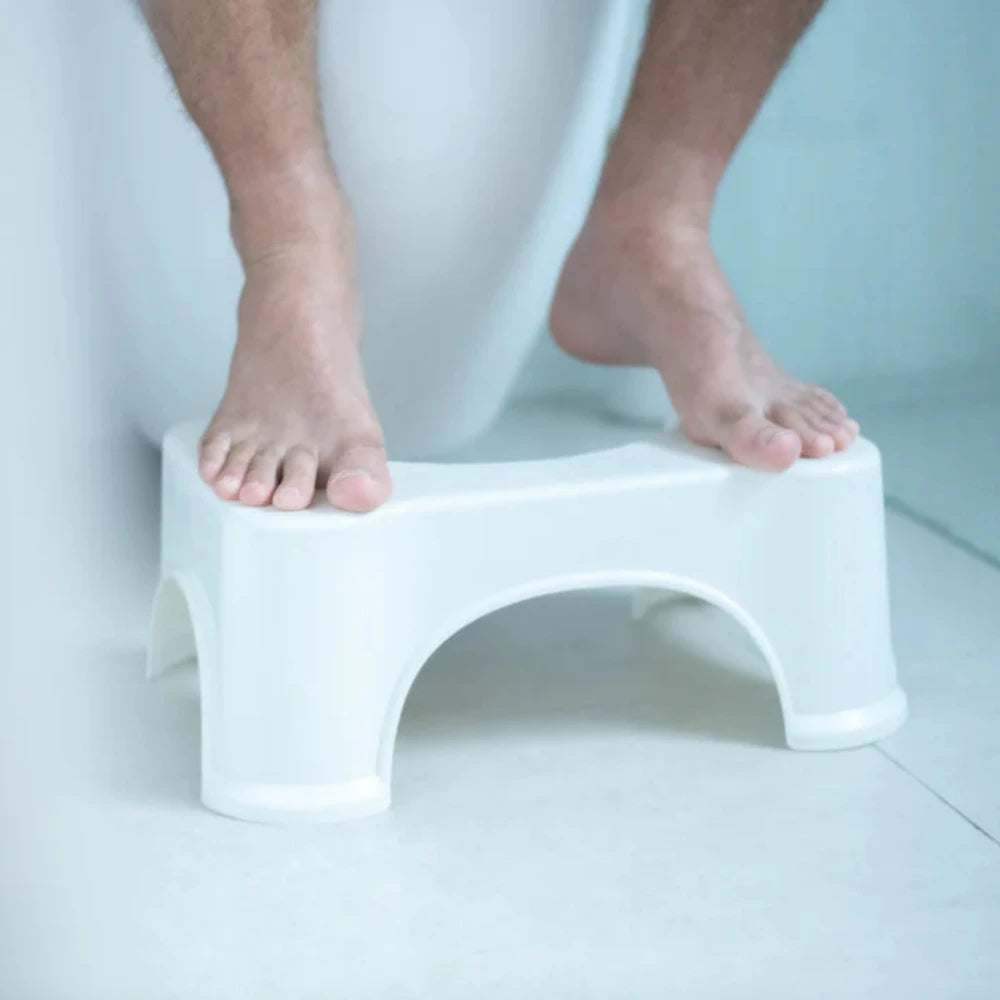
(296, 411)
(642, 285)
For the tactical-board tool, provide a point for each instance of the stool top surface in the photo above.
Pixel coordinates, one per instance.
(654, 459)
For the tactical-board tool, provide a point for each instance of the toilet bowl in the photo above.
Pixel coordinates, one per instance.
(469, 138)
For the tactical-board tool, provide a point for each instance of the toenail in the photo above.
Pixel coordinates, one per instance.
(350, 473)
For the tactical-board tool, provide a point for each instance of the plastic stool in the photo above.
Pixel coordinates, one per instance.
(310, 627)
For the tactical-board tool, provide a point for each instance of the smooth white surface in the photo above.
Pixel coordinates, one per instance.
(310, 627)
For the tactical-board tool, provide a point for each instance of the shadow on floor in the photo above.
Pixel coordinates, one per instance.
(578, 661)
(146, 744)
(567, 663)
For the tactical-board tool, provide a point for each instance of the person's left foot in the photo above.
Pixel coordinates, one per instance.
(296, 414)
(634, 292)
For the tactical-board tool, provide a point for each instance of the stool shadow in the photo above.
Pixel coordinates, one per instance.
(147, 743)
(574, 663)
(578, 660)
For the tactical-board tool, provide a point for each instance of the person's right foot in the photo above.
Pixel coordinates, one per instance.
(296, 412)
(638, 289)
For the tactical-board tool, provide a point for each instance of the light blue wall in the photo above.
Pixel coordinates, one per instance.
(858, 221)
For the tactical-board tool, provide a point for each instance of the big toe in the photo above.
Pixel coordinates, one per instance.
(359, 480)
(757, 442)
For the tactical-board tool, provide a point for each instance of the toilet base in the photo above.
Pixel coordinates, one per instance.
(310, 627)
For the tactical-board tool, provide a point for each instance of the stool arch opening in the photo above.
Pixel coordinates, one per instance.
(181, 628)
(644, 582)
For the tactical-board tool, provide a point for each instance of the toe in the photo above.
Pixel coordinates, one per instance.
(828, 421)
(298, 479)
(843, 435)
(755, 441)
(230, 478)
(827, 401)
(823, 423)
(815, 443)
(261, 478)
(359, 480)
(212, 451)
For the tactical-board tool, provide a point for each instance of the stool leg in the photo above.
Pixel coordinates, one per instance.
(821, 603)
(295, 734)
(295, 705)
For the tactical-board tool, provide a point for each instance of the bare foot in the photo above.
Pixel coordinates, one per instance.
(637, 293)
(296, 413)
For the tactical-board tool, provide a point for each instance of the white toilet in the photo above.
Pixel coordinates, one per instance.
(469, 137)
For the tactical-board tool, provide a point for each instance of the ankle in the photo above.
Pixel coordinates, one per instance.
(664, 230)
(660, 178)
(297, 205)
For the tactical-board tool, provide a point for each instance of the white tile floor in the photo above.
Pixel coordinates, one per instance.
(583, 808)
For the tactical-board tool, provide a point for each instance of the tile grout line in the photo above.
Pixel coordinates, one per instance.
(951, 805)
(904, 510)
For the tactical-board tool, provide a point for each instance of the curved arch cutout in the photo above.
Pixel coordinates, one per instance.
(182, 626)
(653, 580)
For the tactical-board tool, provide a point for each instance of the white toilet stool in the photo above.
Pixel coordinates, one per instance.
(310, 627)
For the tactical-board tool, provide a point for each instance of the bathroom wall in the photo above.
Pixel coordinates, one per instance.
(47, 377)
(858, 221)
(47, 405)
